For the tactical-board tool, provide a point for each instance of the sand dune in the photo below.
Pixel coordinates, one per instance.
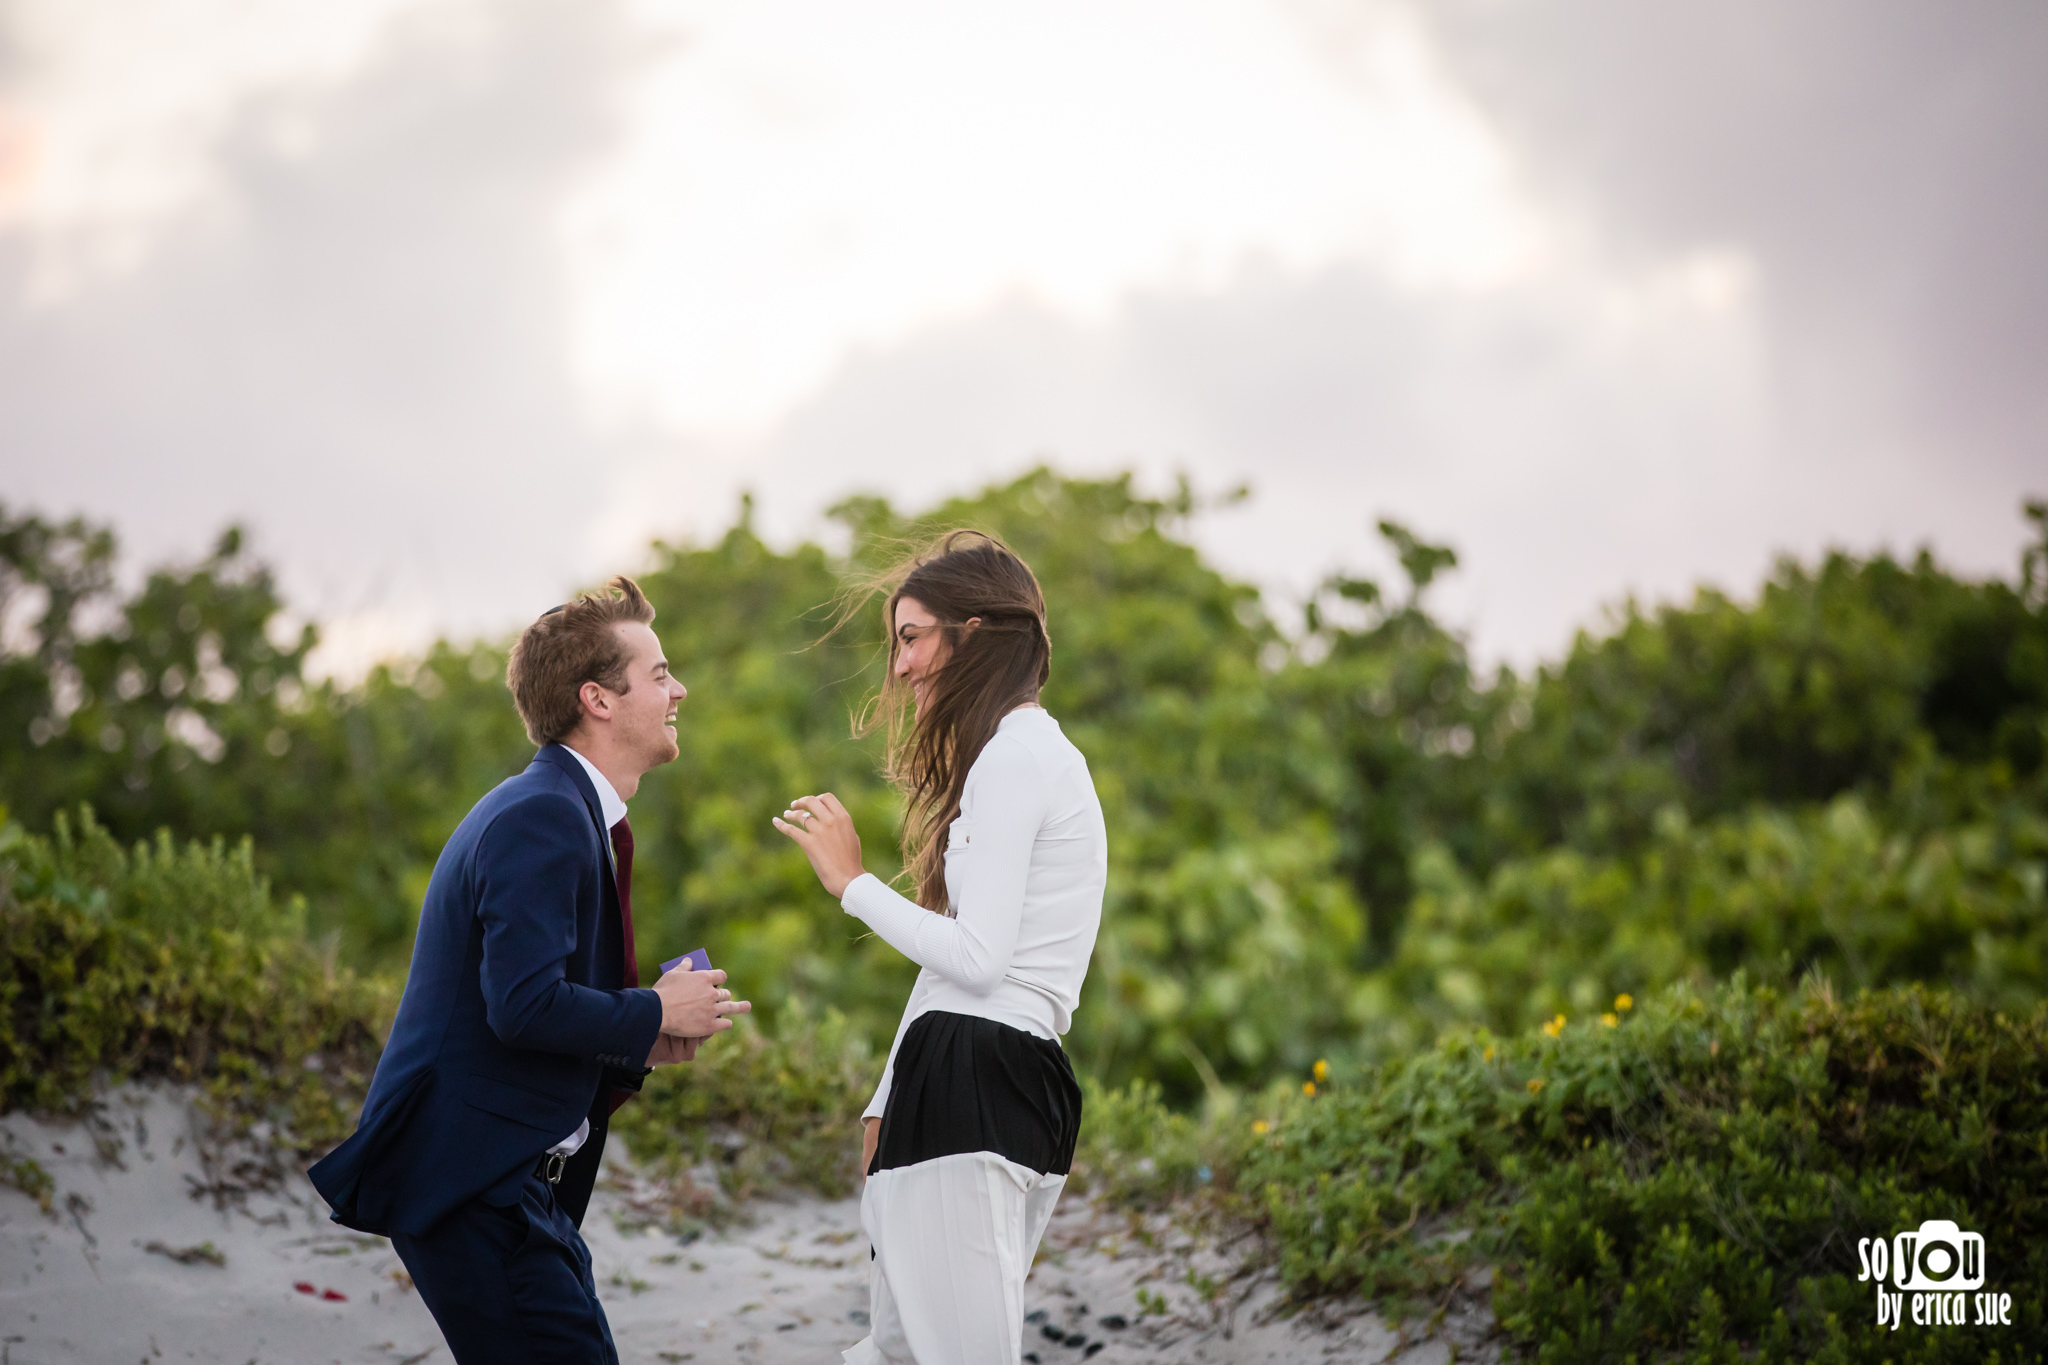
(165, 1242)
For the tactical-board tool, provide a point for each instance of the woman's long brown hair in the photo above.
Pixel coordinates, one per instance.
(988, 670)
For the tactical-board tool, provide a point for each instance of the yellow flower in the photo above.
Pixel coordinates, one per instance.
(1609, 1020)
(1487, 1055)
(1535, 1084)
(1308, 1088)
(1322, 1071)
(1259, 1127)
(1555, 1026)
(1624, 1002)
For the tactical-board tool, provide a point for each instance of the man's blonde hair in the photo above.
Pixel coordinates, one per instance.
(567, 647)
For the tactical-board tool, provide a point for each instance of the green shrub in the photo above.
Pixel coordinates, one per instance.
(172, 962)
(774, 1107)
(778, 1107)
(1840, 675)
(1688, 1182)
(1137, 1152)
(1775, 894)
(26, 1174)
(1283, 807)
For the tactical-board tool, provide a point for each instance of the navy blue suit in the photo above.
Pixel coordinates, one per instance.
(513, 1029)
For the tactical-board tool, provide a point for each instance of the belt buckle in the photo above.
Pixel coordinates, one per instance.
(551, 1167)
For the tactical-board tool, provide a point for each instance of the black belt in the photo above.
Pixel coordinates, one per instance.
(550, 1166)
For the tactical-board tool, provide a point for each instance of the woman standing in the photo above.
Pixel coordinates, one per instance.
(969, 1138)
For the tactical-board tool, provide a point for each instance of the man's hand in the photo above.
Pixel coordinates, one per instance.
(693, 1005)
(670, 1048)
(821, 827)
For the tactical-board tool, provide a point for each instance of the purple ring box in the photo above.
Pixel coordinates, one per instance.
(699, 960)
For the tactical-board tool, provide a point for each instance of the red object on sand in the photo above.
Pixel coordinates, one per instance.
(334, 1296)
(305, 1288)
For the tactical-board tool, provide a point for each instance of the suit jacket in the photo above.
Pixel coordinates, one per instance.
(513, 1027)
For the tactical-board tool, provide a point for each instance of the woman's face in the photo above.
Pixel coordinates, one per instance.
(921, 646)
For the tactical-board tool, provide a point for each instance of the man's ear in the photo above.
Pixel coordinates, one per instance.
(971, 622)
(594, 701)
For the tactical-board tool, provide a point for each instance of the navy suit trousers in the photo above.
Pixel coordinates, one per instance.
(510, 1284)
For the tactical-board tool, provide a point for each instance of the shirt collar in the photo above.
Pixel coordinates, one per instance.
(1023, 715)
(608, 800)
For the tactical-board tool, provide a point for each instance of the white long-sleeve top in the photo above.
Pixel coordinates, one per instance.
(1026, 864)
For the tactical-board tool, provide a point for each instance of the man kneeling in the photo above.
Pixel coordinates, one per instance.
(523, 1027)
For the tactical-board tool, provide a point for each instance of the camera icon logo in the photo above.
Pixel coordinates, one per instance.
(1938, 1256)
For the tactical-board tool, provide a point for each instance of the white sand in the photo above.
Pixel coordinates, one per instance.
(100, 1280)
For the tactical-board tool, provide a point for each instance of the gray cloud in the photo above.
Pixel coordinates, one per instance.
(1886, 168)
(361, 350)
(1886, 162)
(1567, 468)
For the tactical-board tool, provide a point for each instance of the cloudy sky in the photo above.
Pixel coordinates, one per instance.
(456, 303)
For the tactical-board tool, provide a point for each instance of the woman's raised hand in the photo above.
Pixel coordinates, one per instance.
(824, 831)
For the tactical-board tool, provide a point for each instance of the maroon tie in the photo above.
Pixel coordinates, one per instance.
(622, 848)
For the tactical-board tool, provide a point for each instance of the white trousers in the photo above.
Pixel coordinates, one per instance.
(954, 1238)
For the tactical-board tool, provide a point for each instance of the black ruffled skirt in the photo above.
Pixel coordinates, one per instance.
(967, 1084)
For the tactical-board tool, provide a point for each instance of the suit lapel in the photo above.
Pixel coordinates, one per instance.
(608, 947)
(564, 760)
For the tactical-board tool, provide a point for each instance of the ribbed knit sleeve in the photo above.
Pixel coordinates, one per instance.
(988, 854)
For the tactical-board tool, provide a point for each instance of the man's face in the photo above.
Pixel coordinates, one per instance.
(644, 715)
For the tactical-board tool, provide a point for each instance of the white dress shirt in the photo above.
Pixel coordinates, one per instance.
(608, 799)
(613, 807)
(1026, 864)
